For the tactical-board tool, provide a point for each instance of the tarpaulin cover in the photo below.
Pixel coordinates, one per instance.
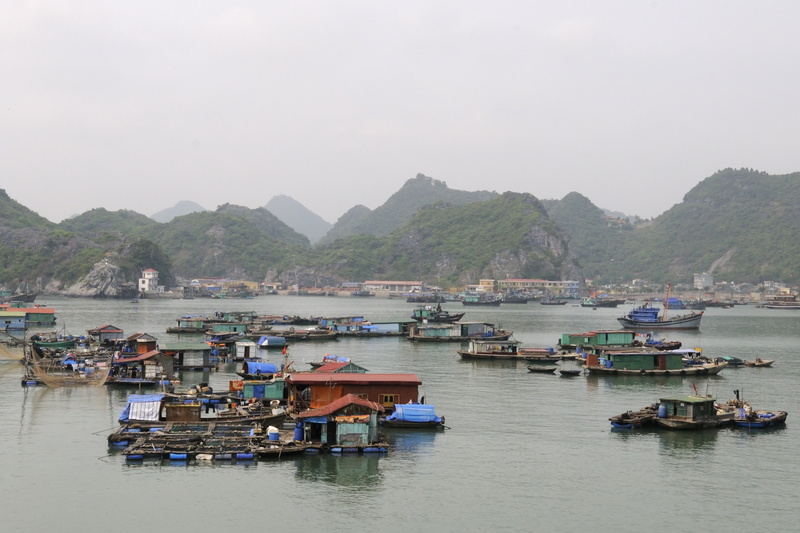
(414, 412)
(256, 367)
(142, 407)
(271, 340)
(330, 358)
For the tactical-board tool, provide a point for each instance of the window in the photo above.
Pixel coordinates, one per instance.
(388, 400)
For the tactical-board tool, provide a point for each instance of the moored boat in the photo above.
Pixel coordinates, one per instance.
(648, 317)
(692, 412)
(652, 363)
(428, 313)
(759, 419)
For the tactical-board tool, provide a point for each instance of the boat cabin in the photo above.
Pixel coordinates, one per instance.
(666, 360)
(494, 346)
(593, 339)
(688, 407)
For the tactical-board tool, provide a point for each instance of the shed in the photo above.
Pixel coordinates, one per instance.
(347, 421)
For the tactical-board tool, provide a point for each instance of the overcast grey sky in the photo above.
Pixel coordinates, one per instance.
(138, 105)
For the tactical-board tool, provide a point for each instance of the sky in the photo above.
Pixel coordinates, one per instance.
(139, 105)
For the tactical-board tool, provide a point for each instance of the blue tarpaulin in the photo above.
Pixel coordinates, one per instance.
(414, 412)
(256, 367)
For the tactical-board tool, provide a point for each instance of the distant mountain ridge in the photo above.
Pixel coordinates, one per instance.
(298, 217)
(184, 207)
(741, 225)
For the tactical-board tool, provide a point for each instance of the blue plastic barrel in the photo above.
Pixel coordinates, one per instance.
(274, 436)
(298, 432)
(177, 457)
(609, 363)
(662, 411)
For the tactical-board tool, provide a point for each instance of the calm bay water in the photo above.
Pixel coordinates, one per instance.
(524, 451)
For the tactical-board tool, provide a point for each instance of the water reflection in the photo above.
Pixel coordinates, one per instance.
(687, 443)
(414, 441)
(355, 471)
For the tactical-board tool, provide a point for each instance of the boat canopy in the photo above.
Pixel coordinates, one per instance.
(142, 407)
(414, 412)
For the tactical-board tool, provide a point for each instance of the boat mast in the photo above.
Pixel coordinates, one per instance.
(666, 302)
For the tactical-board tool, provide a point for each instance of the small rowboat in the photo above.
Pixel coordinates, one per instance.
(546, 369)
(570, 372)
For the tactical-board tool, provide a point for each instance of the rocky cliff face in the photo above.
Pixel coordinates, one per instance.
(105, 280)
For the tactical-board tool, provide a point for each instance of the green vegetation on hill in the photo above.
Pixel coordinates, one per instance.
(16, 216)
(230, 241)
(510, 234)
(99, 220)
(402, 205)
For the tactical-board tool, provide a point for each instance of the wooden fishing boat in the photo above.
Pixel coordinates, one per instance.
(759, 362)
(570, 372)
(646, 416)
(759, 419)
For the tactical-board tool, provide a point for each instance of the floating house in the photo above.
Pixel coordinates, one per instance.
(148, 368)
(597, 339)
(317, 389)
(226, 328)
(189, 355)
(34, 316)
(189, 324)
(12, 320)
(348, 424)
(141, 343)
(458, 332)
(107, 334)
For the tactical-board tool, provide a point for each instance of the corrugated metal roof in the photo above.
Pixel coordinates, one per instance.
(140, 357)
(344, 401)
(311, 378)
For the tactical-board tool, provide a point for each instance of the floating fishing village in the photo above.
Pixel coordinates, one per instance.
(275, 406)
